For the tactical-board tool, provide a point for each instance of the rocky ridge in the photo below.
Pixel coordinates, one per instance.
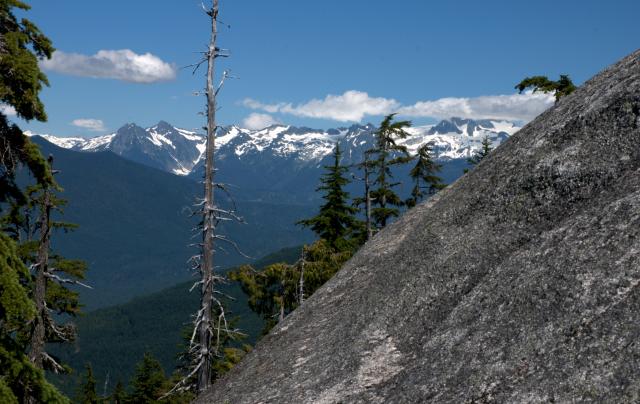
(520, 282)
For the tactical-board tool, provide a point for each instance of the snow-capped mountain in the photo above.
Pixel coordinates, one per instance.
(179, 151)
(283, 160)
(452, 139)
(161, 146)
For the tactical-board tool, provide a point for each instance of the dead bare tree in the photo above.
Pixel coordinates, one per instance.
(210, 327)
(203, 326)
(301, 282)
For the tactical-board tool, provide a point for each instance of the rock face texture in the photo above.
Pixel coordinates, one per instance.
(518, 283)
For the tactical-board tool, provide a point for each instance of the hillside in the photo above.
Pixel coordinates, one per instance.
(518, 283)
(114, 339)
(135, 228)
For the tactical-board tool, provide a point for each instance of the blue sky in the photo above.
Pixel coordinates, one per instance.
(319, 63)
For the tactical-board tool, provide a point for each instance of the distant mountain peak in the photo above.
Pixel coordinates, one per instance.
(164, 126)
(180, 151)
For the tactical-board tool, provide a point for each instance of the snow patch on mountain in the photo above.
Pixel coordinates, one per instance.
(180, 151)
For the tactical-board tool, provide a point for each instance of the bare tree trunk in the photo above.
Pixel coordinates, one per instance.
(281, 316)
(301, 286)
(383, 184)
(209, 218)
(36, 354)
(367, 195)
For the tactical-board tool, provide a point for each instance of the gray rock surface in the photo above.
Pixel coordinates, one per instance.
(518, 283)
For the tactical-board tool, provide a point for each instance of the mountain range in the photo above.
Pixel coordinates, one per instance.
(135, 229)
(133, 212)
(283, 163)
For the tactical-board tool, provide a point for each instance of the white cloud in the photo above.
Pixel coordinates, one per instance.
(351, 106)
(355, 105)
(94, 125)
(257, 121)
(514, 107)
(7, 110)
(121, 64)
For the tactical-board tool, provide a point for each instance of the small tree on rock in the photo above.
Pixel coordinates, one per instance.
(479, 155)
(387, 153)
(426, 182)
(336, 220)
(562, 87)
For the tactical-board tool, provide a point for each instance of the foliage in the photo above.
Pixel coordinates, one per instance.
(273, 292)
(21, 44)
(87, 393)
(119, 394)
(18, 377)
(426, 182)
(230, 357)
(149, 381)
(480, 154)
(562, 87)
(26, 223)
(387, 153)
(20, 77)
(113, 339)
(149, 385)
(18, 149)
(336, 221)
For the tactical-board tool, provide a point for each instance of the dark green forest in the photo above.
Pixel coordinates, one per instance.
(112, 340)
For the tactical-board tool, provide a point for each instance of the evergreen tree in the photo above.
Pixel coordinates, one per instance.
(273, 292)
(336, 219)
(20, 82)
(87, 393)
(480, 154)
(387, 153)
(365, 233)
(50, 275)
(19, 378)
(230, 357)
(149, 382)
(21, 44)
(119, 395)
(562, 87)
(426, 182)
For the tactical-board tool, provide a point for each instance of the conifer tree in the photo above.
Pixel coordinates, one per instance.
(387, 153)
(21, 45)
(480, 154)
(87, 393)
(19, 378)
(336, 219)
(119, 395)
(271, 291)
(562, 87)
(148, 382)
(364, 234)
(50, 274)
(426, 182)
